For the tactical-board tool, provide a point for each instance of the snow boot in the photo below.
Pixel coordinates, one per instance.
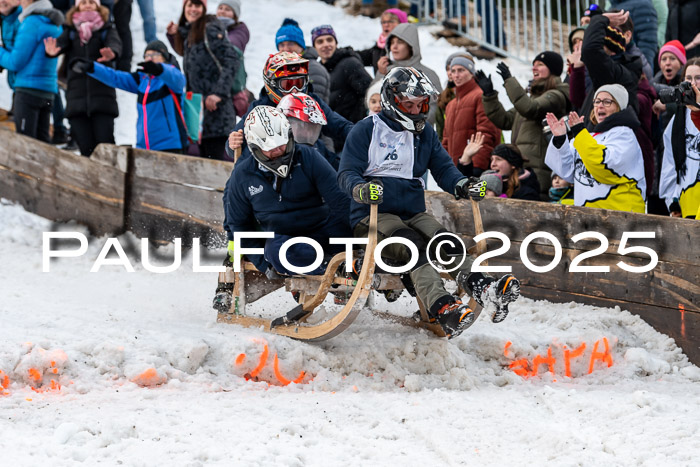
(455, 317)
(487, 290)
(224, 298)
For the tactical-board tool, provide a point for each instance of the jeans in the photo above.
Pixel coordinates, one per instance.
(149, 20)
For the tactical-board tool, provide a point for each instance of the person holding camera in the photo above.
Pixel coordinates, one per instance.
(606, 164)
(680, 169)
(545, 94)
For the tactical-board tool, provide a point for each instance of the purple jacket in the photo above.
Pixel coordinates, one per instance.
(238, 35)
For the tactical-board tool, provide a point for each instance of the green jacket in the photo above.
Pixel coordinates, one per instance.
(525, 120)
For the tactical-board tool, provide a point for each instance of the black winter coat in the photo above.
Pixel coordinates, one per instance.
(204, 76)
(529, 187)
(603, 69)
(86, 96)
(371, 56)
(349, 83)
(684, 23)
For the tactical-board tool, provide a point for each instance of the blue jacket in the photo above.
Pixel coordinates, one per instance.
(404, 198)
(644, 17)
(28, 57)
(159, 126)
(10, 26)
(301, 204)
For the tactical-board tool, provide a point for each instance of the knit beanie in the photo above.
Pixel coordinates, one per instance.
(552, 60)
(617, 91)
(464, 61)
(290, 31)
(375, 88)
(615, 40)
(323, 30)
(78, 2)
(510, 153)
(235, 5)
(401, 15)
(676, 48)
(493, 181)
(448, 62)
(160, 47)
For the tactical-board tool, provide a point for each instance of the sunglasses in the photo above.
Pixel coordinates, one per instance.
(294, 83)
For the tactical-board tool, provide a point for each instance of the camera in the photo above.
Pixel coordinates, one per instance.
(548, 131)
(683, 94)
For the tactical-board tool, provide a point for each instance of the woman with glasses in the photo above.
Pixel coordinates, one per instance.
(210, 65)
(389, 20)
(605, 164)
(679, 183)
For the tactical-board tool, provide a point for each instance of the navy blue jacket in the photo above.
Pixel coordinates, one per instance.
(159, 126)
(299, 205)
(404, 198)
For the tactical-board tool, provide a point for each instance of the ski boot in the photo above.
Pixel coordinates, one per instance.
(487, 290)
(224, 298)
(454, 318)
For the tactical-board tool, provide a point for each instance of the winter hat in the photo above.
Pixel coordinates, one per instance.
(618, 92)
(376, 88)
(493, 181)
(576, 33)
(78, 2)
(235, 5)
(615, 40)
(510, 153)
(290, 31)
(552, 60)
(676, 48)
(465, 62)
(160, 47)
(401, 15)
(323, 30)
(448, 62)
(593, 10)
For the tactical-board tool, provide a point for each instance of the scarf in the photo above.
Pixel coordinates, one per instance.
(86, 22)
(381, 41)
(34, 7)
(678, 142)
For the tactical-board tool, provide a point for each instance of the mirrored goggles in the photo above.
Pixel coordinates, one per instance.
(293, 84)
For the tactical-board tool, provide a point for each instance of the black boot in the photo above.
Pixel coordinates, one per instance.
(454, 317)
(487, 290)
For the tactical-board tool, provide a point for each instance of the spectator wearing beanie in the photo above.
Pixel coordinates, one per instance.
(91, 106)
(518, 182)
(160, 124)
(447, 94)
(290, 38)
(605, 164)
(229, 13)
(494, 184)
(389, 20)
(465, 119)
(349, 80)
(545, 94)
(643, 15)
(209, 65)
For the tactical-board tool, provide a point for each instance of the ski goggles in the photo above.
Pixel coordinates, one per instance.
(293, 83)
(291, 70)
(408, 104)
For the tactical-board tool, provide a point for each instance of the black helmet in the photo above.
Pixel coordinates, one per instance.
(409, 83)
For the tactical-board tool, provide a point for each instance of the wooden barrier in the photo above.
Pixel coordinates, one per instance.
(164, 196)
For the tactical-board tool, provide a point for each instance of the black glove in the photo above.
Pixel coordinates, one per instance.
(369, 192)
(82, 65)
(485, 83)
(150, 68)
(470, 187)
(504, 71)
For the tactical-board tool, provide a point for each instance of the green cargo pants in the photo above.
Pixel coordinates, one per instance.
(419, 229)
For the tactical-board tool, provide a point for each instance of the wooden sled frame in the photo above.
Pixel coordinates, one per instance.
(314, 289)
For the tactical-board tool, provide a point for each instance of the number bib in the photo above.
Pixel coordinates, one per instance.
(390, 152)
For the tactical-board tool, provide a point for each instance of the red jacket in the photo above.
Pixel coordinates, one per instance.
(465, 116)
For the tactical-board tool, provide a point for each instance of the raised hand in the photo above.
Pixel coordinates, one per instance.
(557, 126)
(107, 55)
(171, 29)
(574, 119)
(473, 147)
(484, 83)
(504, 71)
(50, 47)
(618, 19)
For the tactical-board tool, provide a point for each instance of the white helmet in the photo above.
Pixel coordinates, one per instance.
(266, 128)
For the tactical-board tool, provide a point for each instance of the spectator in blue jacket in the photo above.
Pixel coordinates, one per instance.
(36, 78)
(382, 163)
(160, 85)
(9, 24)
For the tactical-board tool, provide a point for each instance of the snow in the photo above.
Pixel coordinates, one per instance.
(148, 377)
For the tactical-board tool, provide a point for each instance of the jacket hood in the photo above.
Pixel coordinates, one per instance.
(103, 10)
(627, 117)
(55, 16)
(409, 34)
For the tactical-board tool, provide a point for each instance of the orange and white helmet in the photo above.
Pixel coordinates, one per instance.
(285, 72)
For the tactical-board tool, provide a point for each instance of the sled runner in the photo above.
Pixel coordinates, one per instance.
(251, 285)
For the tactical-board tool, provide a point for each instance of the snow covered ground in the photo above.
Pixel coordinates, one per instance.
(132, 368)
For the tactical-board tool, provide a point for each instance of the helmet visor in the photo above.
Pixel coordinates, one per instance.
(305, 132)
(293, 84)
(409, 104)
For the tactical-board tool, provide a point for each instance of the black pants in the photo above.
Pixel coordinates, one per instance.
(90, 131)
(122, 18)
(32, 115)
(213, 148)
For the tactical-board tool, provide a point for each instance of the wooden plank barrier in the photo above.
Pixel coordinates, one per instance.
(164, 196)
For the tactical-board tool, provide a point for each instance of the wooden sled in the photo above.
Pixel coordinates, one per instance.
(250, 285)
